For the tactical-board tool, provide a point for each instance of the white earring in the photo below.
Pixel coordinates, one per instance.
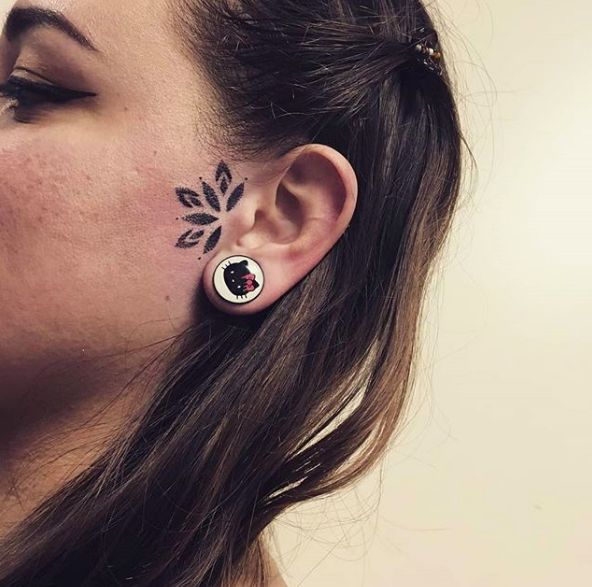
(238, 279)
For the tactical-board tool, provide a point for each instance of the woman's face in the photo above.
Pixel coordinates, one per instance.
(89, 216)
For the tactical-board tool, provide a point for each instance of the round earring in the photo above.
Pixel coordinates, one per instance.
(238, 279)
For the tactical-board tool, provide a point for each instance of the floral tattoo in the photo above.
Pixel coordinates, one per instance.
(215, 200)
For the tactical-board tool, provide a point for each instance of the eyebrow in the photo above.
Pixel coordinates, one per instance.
(21, 20)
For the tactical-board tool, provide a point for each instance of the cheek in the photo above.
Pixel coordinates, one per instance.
(87, 244)
(79, 201)
(39, 202)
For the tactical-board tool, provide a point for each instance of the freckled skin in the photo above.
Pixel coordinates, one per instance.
(87, 204)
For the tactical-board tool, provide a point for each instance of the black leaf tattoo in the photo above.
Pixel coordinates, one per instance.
(213, 240)
(188, 240)
(190, 199)
(223, 186)
(211, 196)
(223, 172)
(235, 197)
(200, 218)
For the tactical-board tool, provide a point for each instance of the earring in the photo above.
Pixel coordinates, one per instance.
(238, 279)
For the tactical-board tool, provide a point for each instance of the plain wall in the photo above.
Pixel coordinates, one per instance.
(489, 483)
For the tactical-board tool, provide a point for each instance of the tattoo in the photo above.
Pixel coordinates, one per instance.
(212, 201)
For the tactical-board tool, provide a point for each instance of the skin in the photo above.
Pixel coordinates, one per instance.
(93, 285)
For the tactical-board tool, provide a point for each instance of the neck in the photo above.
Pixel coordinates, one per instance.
(57, 424)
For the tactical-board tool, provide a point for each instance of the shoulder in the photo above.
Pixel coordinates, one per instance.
(278, 581)
(275, 580)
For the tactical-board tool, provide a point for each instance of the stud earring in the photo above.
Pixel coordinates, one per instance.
(238, 279)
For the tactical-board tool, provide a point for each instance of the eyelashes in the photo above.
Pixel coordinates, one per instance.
(24, 93)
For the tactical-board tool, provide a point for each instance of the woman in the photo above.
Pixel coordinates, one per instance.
(218, 221)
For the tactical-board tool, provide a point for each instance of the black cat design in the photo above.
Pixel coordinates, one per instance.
(239, 279)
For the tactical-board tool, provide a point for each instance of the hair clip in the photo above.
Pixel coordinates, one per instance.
(427, 52)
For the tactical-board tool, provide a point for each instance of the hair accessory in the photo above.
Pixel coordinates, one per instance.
(238, 279)
(427, 49)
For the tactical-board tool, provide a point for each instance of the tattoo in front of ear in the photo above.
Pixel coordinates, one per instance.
(212, 201)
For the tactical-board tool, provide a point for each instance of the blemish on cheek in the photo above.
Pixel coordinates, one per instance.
(167, 298)
(211, 200)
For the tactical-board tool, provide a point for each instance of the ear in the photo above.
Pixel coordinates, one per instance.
(293, 211)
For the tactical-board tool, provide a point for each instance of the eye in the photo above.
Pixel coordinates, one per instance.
(28, 94)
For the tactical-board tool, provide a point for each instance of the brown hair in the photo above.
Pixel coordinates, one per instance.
(257, 413)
